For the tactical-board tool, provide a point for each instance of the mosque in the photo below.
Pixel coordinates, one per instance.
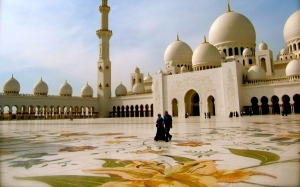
(223, 74)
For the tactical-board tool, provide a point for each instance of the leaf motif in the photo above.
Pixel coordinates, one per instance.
(263, 156)
(71, 180)
(180, 159)
(113, 163)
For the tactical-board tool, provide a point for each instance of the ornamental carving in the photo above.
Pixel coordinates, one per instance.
(203, 85)
(231, 92)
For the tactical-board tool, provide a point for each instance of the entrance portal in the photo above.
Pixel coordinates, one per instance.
(211, 105)
(192, 100)
(174, 107)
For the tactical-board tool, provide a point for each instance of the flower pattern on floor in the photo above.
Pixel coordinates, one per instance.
(247, 151)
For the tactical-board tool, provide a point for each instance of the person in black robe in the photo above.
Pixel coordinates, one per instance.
(160, 129)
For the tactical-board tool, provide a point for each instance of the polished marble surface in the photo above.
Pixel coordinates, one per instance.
(221, 151)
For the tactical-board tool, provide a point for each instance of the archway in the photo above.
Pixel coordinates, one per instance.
(254, 102)
(147, 110)
(296, 99)
(264, 105)
(114, 111)
(192, 100)
(136, 111)
(131, 111)
(118, 111)
(174, 107)
(263, 64)
(286, 106)
(123, 111)
(127, 111)
(275, 105)
(211, 105)
(141, 111)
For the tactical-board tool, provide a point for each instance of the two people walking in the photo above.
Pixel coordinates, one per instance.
(163, 126)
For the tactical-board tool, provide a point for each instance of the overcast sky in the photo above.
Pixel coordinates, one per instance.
(56, 39)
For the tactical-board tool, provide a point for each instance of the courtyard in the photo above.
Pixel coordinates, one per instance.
(262, 150)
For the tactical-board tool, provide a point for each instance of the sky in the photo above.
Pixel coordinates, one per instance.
(56, 39)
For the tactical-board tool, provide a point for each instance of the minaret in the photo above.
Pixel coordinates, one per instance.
(104, 64)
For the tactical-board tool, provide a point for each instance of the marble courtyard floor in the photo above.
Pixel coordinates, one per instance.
(243, 151)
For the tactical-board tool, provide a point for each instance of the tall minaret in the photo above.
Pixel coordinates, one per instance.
(104, 64)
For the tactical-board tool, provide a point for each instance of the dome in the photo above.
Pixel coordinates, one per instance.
(65, 90)
(160, 71)
(293, 68)
(137, 70)
(284, 51)
(183, 69)
(40, 88)
(247, 52)
(121, 90)
(262, 46)
(148, 78)
(11, 86)
(205, 54)
(232, 27)
(138, 88)
(223, 55)
(178, 51)
(291, 29)
(87, 91)
(256, 73)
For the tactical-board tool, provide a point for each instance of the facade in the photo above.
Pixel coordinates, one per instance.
(224, 74)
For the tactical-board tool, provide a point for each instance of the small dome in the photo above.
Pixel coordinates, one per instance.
(223, 55)
(232, 27)
(183, 69)
(11, 86)
(284, 51)
(148, 78)
(160, 71)
(172, 63)
(87, 91)
(137, 70)
(291, 29)
(40, 88)
(262, 46)
(178, 51)
(206, 54)
(121, 90)
(247, 52)
(138, 88)
(293, 68)
(65, 89)
(256, 73)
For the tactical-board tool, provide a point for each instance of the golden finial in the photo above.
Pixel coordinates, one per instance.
(12, 76)
(228, 6)
(121, 82)
(87, 83)
(204, 40)
(177, 37)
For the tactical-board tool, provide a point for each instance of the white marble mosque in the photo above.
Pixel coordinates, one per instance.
(225, 73)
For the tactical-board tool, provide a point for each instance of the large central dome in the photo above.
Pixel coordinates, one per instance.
(232, 27)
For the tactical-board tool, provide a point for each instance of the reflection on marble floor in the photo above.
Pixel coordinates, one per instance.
(244, 151)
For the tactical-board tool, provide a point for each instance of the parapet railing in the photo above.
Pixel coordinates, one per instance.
(272, 81)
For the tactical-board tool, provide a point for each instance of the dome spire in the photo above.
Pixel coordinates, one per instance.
(12, 76)
(177, 37)
(228, 6)
(204, 40)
